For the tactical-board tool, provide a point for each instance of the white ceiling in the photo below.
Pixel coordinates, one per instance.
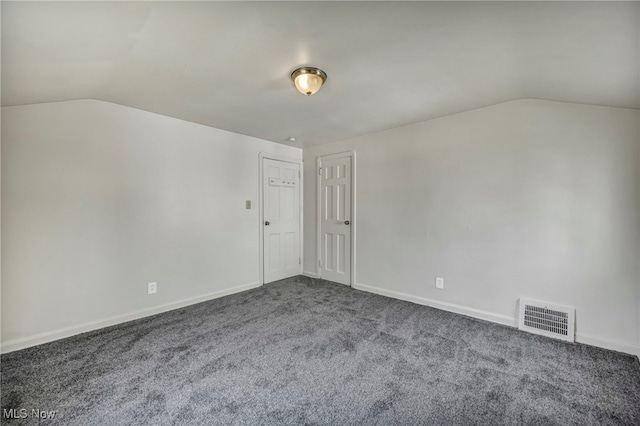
(227, 65)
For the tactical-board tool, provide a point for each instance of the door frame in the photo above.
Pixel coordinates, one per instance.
(262, 156)
(354, 222)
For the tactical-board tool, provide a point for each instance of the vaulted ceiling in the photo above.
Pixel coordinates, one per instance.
(227, 65)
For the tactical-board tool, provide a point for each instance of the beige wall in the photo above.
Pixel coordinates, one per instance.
(99, 199)
(526, 198)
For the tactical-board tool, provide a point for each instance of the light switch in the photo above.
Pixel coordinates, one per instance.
(247, 204)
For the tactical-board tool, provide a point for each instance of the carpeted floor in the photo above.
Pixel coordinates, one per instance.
(304, 351)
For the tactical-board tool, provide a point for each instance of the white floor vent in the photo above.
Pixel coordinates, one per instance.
(547, 319)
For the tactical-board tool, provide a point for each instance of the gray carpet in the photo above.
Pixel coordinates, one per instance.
(304, 351)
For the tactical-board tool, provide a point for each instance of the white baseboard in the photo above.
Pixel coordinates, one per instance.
(50, 336)
(445, 306)
(493, 317)
(38, 339)
(607, 344)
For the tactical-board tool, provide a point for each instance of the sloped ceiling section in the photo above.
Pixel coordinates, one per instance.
(227, 65)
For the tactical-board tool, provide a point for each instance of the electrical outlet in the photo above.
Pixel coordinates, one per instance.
(440, 282)
(152, 288)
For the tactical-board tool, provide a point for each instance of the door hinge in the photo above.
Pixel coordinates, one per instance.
(299, 261)
(320, 171)
(320, 263)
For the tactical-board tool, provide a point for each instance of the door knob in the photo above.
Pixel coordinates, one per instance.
(267, 223)
(346, 222)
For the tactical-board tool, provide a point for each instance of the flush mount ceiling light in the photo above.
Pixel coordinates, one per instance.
(308, 80)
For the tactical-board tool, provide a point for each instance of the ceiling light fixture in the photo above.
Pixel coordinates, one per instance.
(308, 80)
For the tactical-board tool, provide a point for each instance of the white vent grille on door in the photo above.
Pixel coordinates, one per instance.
(547, 319)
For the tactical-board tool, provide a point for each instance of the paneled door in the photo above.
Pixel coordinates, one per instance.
(281, 219)
(335, 219)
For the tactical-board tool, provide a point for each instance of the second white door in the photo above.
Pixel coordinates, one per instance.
(281, 216)
(335, 219)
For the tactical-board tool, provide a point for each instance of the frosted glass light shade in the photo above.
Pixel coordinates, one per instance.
(308, 80)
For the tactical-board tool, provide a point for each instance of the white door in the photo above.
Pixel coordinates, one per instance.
(335, 219)
(281, 211)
